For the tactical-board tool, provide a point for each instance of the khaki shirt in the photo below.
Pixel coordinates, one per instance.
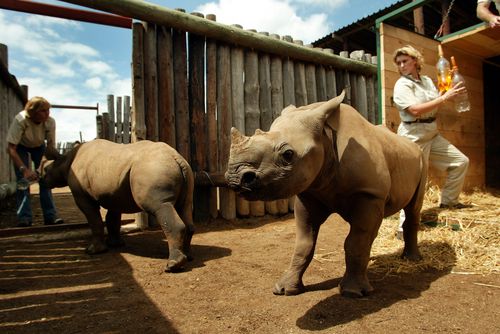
(27, 133)
(409, 91)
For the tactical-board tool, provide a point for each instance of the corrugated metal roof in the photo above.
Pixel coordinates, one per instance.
(368, 20)
(361, 34)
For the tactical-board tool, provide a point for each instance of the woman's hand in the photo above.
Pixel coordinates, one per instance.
(458, 88)
(30, 175)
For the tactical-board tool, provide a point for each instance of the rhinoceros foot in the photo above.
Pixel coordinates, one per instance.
(411, 255)
(96, 248)
(290, 291)
(176, 261)
(289, 285)
(351, 288)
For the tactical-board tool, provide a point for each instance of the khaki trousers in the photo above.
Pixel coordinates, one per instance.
(441, 154)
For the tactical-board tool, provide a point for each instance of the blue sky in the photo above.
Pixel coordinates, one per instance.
(77, 63)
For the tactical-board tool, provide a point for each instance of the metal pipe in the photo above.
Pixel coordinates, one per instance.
(67, 13)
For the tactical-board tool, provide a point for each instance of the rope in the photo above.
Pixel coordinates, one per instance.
(439, 33)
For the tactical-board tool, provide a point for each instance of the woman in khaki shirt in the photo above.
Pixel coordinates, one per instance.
(31, 132)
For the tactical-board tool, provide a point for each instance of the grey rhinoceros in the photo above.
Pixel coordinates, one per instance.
(335, 161)
(128, 178)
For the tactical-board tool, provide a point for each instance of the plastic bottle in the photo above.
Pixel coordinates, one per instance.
(461, 101)
(443, 71)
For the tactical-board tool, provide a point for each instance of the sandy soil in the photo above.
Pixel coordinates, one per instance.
(49, 285)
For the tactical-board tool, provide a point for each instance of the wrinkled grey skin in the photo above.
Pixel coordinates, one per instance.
(129, 178)
(335, 161)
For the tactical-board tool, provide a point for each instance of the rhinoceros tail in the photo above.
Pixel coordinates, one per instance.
(185, 199)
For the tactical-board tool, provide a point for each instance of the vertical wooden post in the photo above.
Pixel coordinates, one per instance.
(181, 94)
(371, 93)
(321, 82)
(359, 87)
(289, 79)
(238, 108)
(300, 82)
(137, 116)
(111, 118)
(211, 78)
(224, 117)
(266, 112)
(331, 82)
(346, 80)
(294, 93)
(418, 19)
(280, 70)
(252, 111)
(119, 123)
(151, 82)
(198, 121)
(126, 119)
(311, 89)
(166, 89)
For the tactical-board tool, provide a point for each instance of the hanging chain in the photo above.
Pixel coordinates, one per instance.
(445, 18)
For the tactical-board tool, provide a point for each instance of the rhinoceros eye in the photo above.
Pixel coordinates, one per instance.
(288, 156)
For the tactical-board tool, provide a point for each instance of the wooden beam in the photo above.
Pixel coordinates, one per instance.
(153, 13)
(67, 13)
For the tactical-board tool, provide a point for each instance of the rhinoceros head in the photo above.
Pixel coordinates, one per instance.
(283, 161)
(54, 171)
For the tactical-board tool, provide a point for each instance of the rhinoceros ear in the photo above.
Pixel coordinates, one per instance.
(287, 109)
(51, 153)
(328, 107)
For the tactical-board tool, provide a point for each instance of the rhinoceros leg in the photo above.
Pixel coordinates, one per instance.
(91, 210)
(309, 215)
(175, 232)
(113, 225)
(186, 215)
(410, 231)
(365, 217)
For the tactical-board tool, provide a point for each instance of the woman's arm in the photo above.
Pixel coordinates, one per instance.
(422, 108)
(483, 13)
(27, 173)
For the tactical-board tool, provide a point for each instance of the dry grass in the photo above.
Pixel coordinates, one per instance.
(463, 241)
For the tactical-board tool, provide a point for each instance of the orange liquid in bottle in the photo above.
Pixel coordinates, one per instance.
(444, 82)
(443, 71)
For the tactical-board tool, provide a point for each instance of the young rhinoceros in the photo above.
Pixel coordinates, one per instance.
(335, 161)
(128, 178)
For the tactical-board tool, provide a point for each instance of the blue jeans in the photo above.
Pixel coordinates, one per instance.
(24, 212)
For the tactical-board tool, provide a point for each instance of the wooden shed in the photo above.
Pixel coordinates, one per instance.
(476, 50)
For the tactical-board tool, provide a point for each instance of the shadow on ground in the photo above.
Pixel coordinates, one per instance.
(389, 289)
(54, 287)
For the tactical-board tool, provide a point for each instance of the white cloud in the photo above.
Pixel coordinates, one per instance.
(49, 56)
(76, 49)
(93, 83)
(331, 4)
(273, 16)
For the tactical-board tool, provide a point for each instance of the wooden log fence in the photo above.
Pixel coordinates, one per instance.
(13, 97)
(115, 125)
(195, 78)
(218, 85)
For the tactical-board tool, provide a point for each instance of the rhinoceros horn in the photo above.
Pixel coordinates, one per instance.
(237, 138)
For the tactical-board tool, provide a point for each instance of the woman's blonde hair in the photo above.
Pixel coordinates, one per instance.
(409, 50)
(35, 104)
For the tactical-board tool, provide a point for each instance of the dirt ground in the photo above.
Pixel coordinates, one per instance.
(49, 285)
